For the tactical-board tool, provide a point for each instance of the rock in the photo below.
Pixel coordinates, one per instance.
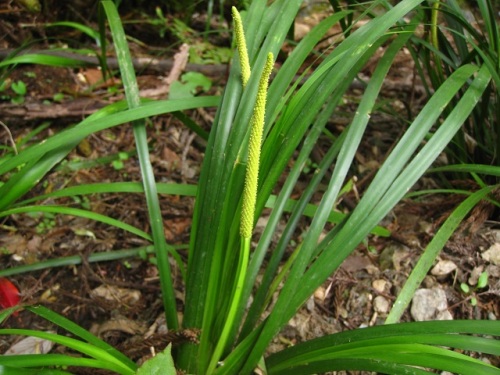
(320, 293)
(379, 285)
(493, 271)
(430, 304)
(492, 255)
(381, 305)
(474, 275)
(444, 315)
(30, 345)
(385, 258)
(443, 268)
(496, 235)
(401, 258)
(429, 282)
(310, 304)
(111, 293)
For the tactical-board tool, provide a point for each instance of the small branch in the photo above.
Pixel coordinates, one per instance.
(10, 136)
(150, 64)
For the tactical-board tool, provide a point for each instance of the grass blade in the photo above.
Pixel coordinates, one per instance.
(432, 251)
(80, 213)
(107, 360)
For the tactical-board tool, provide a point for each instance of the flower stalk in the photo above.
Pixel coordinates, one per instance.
(254, 146)
(241, 45)
(248, 207)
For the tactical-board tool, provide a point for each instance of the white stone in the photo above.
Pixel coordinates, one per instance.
(492, 255)
(381, 305)
(31, 345)
(474, 275)
(444, 315)
(320, 293)
(443, 268)
(379, 285)
(429, 304)
(310, 304)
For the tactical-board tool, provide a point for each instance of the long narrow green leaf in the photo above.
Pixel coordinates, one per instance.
(283, 78)
(80, 213)
(93, 125)
(7, 370)
(431, 252)
(78, 26)
(395, 345)
(44, 360)
(78, 331)
(185, 190)
(362, 219)
(42, 59)
(77, 259)
(147, 173)
(221, 156)
(443, 334)
(108, 361)
(346, 155)
(29, 172)
(341, 241)
(354, 364)
(470, 168)
(402, 363)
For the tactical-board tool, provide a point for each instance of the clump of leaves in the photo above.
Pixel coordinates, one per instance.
(460, 35)
(482, 282)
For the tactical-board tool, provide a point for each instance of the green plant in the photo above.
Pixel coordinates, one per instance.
(32, 6)
(118, 163)
(482, 282)
(93, 34)
(188, 85)
(460, 35)
(59, 97)
(51, 59)
(46, 223)
(221, 272)
(100, 354)
(3, 86)
(20, 90)
(200, 51)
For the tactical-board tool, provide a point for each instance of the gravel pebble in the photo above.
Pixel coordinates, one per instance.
(381, 305)
(430, 304)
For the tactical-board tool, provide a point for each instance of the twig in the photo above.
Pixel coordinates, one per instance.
(10, 137)
(151, 64)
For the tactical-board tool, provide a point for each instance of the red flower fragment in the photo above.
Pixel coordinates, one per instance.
(9, 294)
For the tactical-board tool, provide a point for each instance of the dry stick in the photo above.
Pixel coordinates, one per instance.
(80, 107)
(179, 65)
(151, 64)
(10, 137)
(76, 108)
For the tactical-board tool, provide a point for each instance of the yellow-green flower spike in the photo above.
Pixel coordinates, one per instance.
(254, 145)
(241, 44)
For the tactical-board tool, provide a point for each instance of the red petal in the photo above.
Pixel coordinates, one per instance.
(9, 294)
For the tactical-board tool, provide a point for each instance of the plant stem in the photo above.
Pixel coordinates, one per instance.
(236, 296)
